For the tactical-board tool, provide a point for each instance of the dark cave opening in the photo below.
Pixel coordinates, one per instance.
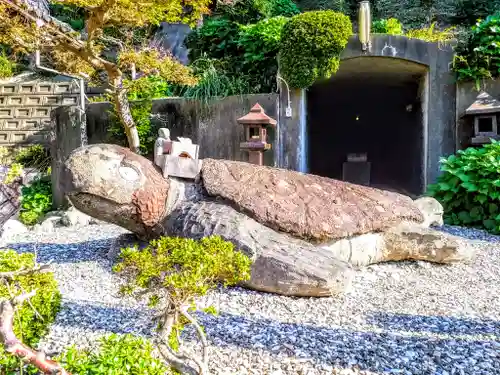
(375, 113)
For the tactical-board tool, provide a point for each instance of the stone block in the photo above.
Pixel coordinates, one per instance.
(12, 124)
(52, 100)
(6, 113)
(42, 112)
(4, 137)
(63, 88)
(181, 167)
(3, 100)
(31, 124)
(15, 100)
(69, 100)
(27, 89)
(8, 89)
(44, 88)
(33, 100)
(23, 112)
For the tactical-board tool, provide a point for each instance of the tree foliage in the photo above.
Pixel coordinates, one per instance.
(96, 51)
(244, 38)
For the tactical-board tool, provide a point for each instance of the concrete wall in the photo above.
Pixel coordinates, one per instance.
(466, 95)
(441, 89)
(25, 105)
(213, 127)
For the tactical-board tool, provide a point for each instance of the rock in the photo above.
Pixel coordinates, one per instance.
(432, 210)
(307, 206)
(415, 242)
(73, 217)
(282, 264)
(303, 232)
(48, 225)
(406, 241)
(12, 228)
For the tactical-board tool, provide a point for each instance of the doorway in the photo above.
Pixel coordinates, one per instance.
(368, 123)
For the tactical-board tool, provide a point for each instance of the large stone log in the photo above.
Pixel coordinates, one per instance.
(302, 231)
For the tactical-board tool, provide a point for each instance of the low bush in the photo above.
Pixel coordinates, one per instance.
(36, 200)
(311, 44)
(116, 355)
(34, 317)
(175, 271)
(469, 187)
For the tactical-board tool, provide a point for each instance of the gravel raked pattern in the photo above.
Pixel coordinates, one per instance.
(398, 318)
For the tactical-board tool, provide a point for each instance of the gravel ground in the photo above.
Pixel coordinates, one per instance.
(404, 318)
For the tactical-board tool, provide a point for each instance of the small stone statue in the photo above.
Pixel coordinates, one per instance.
(163, 146)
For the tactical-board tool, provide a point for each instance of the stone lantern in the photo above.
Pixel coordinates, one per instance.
(485, 110)
(255, 124)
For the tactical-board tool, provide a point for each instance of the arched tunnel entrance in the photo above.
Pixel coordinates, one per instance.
(367, 124)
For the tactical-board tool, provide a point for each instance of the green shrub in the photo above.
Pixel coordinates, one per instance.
(217, 38)
(275, 8)
(479, 57)
(35, 156)
(311, 44)
(116, 355)
(389, 26)
(469, 187)
(220, 38)
(7, 67)
(34, 317)
(341, 6)
(36, 200)
(15, 171)
(175, 271)
(260, 43)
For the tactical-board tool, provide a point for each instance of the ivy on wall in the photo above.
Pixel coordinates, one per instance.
(311, 44)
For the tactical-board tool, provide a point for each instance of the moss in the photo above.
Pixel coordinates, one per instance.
(311, 44)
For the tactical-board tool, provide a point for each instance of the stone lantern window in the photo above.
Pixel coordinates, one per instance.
(255, 123)
(485, 110)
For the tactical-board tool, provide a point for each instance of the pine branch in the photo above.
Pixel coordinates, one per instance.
(14, 346)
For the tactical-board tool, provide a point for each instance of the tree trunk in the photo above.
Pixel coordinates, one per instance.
(122, 107)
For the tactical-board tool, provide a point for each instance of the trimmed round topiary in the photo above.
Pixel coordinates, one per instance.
(33, 318)
(311, 44)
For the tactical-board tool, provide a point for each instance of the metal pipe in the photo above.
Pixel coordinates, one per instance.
(364, 25)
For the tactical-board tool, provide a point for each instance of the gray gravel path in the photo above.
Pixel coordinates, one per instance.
(400, 318)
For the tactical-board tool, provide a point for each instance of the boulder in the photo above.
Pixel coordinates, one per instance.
(307, 206)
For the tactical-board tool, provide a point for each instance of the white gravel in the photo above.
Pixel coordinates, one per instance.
(399, 318)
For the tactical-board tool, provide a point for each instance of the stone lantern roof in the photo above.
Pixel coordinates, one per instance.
(257, 116)
(483, 104)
